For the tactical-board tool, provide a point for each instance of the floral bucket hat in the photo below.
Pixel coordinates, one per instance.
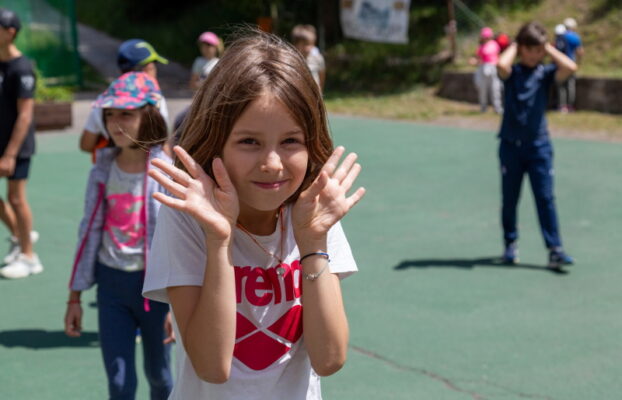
(130, 91)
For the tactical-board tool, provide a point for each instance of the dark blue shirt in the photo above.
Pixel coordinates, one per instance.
(526, 94)
(573, 41)
(560, 43)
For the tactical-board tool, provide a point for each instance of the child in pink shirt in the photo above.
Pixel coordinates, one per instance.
(486, 79)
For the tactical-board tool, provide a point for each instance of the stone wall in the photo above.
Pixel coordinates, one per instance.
(594, 94)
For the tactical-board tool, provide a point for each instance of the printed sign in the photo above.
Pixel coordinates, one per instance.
(376, 20)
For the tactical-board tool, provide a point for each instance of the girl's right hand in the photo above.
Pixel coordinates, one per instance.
(213, 203)
(73, 320)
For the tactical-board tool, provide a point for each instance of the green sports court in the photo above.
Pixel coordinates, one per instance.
(433, 315)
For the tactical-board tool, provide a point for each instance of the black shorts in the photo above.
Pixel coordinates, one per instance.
(22, 168)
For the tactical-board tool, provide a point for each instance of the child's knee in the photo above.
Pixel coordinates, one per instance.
(18, 201)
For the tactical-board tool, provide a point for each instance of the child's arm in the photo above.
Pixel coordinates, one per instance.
(206, 315)
(88, 140)
(506, 59)
(194, 81)
(73, 315)
(565, 66)
(317, 209)
(91, 133)
(168, 329)
(579, 54)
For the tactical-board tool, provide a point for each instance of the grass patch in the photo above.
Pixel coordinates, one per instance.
(422, 105)
(419, 103)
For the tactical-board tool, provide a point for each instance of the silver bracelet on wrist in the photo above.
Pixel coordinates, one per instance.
(314, 276)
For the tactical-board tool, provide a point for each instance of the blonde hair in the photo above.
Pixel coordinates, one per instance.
(304, 34)
(252, 65)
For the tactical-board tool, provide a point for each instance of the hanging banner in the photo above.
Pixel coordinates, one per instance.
(376, 20)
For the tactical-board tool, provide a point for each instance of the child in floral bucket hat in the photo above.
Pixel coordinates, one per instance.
(114, 238)
(130, 91)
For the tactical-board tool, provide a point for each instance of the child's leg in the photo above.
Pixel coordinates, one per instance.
(480, 84)
(488, 81)
(512, 171)
(117, 333)
(563, 95)
(541, 177)
(157, 355)
(572, 89)
(23, 215)
(7, 216)
(496, 94)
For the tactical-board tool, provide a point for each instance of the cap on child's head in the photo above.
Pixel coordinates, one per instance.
(560, 29)
(210, 38)
(570, 23)
(130, 91)
(8, 19)
(486, 33)
(136, 52)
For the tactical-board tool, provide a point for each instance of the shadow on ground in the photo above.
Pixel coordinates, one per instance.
(42, 339)
(470, 263)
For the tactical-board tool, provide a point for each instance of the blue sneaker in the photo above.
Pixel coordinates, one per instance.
(510, 255)
(558, 258)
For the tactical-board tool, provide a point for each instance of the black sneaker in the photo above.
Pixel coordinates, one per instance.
(510, 254)
(558, 258)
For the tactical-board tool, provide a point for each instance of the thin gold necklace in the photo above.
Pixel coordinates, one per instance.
(279, 269)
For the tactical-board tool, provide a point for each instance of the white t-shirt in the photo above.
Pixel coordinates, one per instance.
(316, 64)
(202, 66)
(270, 360)
(95, 120)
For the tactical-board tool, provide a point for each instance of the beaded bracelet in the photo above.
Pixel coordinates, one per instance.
(314, 276)
(74, 302)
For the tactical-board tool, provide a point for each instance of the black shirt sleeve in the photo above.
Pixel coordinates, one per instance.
(26, 81)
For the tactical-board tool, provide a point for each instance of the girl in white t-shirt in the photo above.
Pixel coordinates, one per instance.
(211, 47)
(251, 234)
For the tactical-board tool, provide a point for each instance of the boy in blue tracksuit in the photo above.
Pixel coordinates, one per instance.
(525, 146)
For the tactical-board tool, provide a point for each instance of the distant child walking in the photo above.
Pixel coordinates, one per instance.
(17, 146)
(133, 55)
(114, 235)
(251, 234)
(211, 47)
(304, 38)
(525, 146)
(486, 79)
(573, 48)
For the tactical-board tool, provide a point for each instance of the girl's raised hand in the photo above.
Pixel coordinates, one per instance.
(214, 204)
(326, 200)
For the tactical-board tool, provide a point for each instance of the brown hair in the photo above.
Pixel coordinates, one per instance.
(304, 34)
(253, 64)
(531, 34)
(152, 130)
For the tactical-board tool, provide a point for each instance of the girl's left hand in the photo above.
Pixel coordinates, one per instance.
(168, 329)
(325, 201)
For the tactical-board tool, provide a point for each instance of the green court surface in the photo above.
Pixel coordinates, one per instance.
(432, 313)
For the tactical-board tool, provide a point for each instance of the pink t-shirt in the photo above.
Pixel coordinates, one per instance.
(488, 53)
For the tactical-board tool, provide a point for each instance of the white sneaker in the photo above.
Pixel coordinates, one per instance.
(15, 249)
(22, 267)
